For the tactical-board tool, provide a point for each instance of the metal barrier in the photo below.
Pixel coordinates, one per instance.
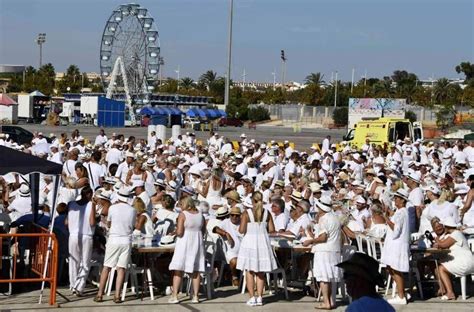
(38, 253)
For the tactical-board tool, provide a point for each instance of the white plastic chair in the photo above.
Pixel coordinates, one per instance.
(274, 273)
(207, 277)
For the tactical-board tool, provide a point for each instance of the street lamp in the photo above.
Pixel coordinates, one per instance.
(177, 73)
(229, 55)
(40, 40)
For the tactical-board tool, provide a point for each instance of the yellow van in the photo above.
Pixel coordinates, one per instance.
(381, 131)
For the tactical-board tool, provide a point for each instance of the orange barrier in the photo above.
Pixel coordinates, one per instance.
(39, 241)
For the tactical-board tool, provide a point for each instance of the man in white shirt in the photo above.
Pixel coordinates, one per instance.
(290, 168)
(415, 199)
(280, 220)
(114, 155)
(96, 171)
(125, 166)
(288, 149)
(101, 139)
(121, 220)
(361, 214)
(326, 144)
(81, 225)
(55, 156)
(152, 140)
(139, 190)
(21, 205)
(241, 165)
(299, 220)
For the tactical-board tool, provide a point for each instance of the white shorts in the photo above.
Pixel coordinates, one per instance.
(117, 255)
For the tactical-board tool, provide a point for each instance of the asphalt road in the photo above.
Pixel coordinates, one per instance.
(302, 140)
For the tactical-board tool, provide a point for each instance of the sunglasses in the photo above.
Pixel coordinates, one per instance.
(235, 215)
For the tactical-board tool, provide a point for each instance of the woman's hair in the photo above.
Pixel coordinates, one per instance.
(168, 202)
(188, 204)
(376, 207)
(398, 184)
(82, 169)
(139, 163)
(139, 205)
(257, 200)
(434, 219)
(446, 195)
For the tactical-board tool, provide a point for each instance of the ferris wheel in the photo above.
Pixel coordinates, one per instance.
(130, 54)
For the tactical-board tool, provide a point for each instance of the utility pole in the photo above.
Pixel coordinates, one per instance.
(243, 77)
(161, 62)
(365, 81)
(274, 79)
(283, 68)
(40, 40)
(177, 72)
(229, 55)
(352, 83)
(335, 92)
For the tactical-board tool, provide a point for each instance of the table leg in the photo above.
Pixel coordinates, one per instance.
(144, 275)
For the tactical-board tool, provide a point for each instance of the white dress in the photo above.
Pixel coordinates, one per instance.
(328, 254)
(460, 260)
(256, 252)
(396, 249)
(213, 197)
(189, 251)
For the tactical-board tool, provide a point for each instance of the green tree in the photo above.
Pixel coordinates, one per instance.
(186, 83)
(314, 79)
(208, 79)
(45, 80)
(383, 88)
(72, 79)
(467, 69)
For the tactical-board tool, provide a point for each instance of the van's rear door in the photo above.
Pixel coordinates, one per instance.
(391, 132)
(417, 131)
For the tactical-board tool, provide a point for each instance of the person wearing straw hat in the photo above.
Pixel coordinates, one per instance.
(460, 261)
(327, 251)
(231, 227)
(121, 220)
(361, 276)
(396, 249)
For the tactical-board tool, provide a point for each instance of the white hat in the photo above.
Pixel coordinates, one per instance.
(40, 133)
(449, 222)
(414, 175)
(110, 180)
(402, 193)
(130, 154)
(106, 195)
(123, 194)
(243, 135)
(262, 146)
(222, 212)
(433, 189)
(189, 190)
(315, 187)
(295, 195)
(24, 190)
(160, 182)
(167, 240)
(461, 189)
(324, 203)
(150, 162)
(172, 185)
(361, 200)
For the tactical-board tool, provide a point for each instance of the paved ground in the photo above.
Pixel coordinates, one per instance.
(227, 299)
(302, 140)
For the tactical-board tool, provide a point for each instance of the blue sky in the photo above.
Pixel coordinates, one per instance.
(423, 36)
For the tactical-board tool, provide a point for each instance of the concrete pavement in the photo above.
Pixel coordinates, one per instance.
(303, 140)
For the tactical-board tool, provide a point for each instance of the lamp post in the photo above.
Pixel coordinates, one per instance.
(335, 91)
(274, 79)
(40, 40)
(177, 73)
(229, 55)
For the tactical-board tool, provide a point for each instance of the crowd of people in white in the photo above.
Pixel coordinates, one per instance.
(185, 193)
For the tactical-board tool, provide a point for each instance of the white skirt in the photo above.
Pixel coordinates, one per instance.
(324, 266)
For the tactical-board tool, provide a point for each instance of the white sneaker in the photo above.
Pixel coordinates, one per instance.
(168, 290)
(252, 302)
(259, 301)
(195, 299)
(173, 300)
(397, 300)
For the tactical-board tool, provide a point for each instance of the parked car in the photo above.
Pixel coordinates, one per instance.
(228, 121)
(191, 121)
(18, 134)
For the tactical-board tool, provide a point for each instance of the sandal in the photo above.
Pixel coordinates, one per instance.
(98, 299)
(117, 300)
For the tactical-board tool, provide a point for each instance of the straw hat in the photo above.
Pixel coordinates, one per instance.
(124, 194)
(222, 212)
(235, 211)
(402, 193)
(233, 195)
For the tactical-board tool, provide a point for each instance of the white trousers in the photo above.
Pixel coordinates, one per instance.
(80, 252)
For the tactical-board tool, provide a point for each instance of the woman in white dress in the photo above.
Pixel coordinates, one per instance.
(256, 254)
(396, 249)
(143, 222)
(189, 251)
(213, 190)
(327, 250)
(467, 212)
(459, 262)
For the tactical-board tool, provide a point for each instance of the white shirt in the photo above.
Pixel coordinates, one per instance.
(96, 172)
(114, 156)
(330, 225)
(100, 139)
(78, 219)
(242, 168)
(280, 221)
(122, 217)
(122, 171)
(416, 197)
(20, 206)
(68, 168)
(302, 222)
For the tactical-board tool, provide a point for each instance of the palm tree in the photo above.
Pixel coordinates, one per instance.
(441, 90)
(186, 83)
(208, 78)
(314, 79)
(383, 88)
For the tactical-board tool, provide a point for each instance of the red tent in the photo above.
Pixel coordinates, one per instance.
(6, 100)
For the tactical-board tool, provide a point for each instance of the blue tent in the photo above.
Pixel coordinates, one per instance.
(201, 113)
(222, 113)
(148, 110)
(191, 113)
